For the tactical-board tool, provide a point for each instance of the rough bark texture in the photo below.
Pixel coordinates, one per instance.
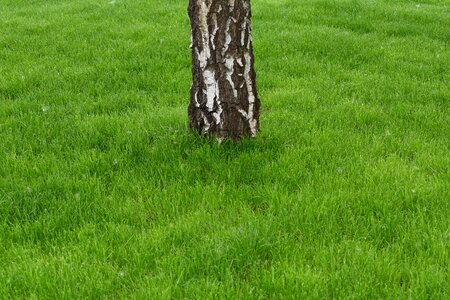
(224, 100)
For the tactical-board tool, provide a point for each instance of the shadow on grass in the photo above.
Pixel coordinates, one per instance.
(185, 157)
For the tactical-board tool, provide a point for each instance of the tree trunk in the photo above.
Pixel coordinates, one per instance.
(224, 100)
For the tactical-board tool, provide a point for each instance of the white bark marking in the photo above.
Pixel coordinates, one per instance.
(202, 57)
(245, 5)
(203, 16)
(213, 34)
(205, 54)
(244, 27)
(212, 88)
(251, 96)
(229, 63)
(227, 38)
(217, 115)
(242, 112)
(197, 104)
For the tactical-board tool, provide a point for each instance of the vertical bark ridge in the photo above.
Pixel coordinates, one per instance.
(224, 99)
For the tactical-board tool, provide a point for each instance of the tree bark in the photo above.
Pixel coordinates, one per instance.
(224, 101)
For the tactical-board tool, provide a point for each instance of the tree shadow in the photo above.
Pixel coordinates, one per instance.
(184, 157)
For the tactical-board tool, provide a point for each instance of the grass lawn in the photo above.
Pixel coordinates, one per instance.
(105, 193)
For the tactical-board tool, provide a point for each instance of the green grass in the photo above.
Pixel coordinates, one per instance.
(105, 193)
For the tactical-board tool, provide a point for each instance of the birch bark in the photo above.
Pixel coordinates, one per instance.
(224, 101)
